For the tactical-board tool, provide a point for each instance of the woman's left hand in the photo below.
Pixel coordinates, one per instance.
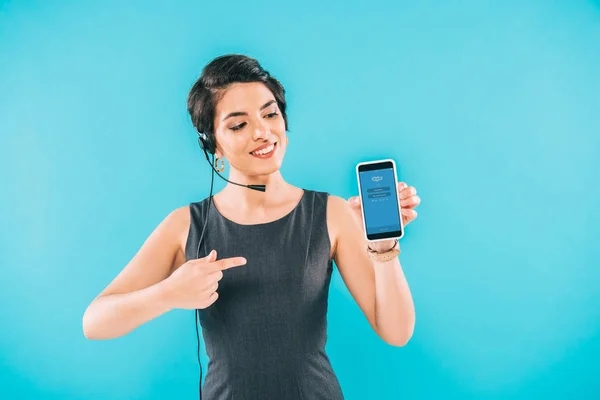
(408, 202)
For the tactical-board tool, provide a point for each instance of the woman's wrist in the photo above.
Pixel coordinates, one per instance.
(384, 254)
(382, 246)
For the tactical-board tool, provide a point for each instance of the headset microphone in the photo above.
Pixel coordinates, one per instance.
(260, 188)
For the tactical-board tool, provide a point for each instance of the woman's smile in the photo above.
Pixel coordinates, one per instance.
(266, 152)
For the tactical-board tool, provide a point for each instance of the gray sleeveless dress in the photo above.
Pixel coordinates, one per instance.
(265, 335)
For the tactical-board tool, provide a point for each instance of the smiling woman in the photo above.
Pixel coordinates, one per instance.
(255, 265)
(273, 310)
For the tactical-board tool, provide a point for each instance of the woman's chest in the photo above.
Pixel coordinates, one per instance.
(288, 270)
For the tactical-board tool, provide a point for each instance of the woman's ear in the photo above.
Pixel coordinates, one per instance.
(218, 152)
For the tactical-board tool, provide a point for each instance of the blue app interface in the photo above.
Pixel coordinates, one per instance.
(380, 201)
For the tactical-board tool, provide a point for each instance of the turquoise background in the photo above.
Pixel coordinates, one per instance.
(490, 109)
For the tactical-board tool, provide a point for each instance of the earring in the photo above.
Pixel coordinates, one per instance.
(217, 165)
(287, 140)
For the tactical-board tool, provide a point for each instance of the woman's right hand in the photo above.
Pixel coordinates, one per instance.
(194, 284)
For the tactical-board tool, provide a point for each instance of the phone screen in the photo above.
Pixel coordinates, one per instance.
(380, 200)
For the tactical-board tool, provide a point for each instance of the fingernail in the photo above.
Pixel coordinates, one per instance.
(354, 201)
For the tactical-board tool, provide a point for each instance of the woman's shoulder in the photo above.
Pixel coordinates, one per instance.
(321, 194)
(328, 199)
(336, 207)
(180, 229)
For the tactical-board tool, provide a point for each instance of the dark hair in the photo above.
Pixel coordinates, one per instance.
(219, 74)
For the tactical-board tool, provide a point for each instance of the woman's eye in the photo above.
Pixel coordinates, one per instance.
(238, 127)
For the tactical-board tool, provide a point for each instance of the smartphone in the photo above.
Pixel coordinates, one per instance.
(378, 191)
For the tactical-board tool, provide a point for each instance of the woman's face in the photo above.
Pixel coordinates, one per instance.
(246, 117)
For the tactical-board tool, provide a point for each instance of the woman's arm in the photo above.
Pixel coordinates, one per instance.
(379, 289)
(138, 293)
(115, 315)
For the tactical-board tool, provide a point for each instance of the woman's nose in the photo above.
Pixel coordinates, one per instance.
(261, 132)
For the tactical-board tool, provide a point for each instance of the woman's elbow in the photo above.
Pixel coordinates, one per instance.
(401, 340)
(90, 330)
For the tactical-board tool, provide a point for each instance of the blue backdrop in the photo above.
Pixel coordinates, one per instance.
(490, 109)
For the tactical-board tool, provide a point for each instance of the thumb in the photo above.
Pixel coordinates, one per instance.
(212, 256)
(354, 201)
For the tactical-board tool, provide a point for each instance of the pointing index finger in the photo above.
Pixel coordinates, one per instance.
(226, 263)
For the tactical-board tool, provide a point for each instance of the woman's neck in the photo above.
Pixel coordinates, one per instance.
(276, 192)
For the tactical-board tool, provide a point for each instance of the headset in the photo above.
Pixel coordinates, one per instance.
(207, 144)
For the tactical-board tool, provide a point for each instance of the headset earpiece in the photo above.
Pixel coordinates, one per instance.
(206, 143)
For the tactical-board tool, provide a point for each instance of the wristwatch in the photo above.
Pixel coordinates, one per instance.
(384, 256)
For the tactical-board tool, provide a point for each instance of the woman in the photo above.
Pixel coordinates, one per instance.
(262, 281)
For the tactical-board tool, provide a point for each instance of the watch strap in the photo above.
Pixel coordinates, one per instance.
(384, 256)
